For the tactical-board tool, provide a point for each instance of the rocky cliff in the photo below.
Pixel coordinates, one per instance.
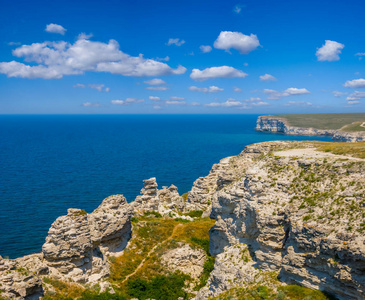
(292, 210)
(280, 125)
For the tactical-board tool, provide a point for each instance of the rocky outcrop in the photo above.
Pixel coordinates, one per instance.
(78, 244)
(280, 125)
(166, 201)
(18, 283)
(300, 213)
(186, 260)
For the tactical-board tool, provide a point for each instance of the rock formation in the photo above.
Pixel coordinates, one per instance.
(299, 212)
(279, 125)
(78, 244)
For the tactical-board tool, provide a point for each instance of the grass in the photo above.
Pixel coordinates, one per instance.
(354, 127)
(353, 149)
(167, 234)
(324, 121)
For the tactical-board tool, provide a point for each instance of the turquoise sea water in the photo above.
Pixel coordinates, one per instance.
(51, 163)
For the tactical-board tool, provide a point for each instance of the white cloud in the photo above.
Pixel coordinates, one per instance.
(236, 40)
(237, 89)
(127, 101)
(174, 102)
(211, 89)
(89, 104)
(356, 83)
(245, 64)
(237, 9)
(157, 88)
(176, 42)
(98, 87)
(167, 58)
(54, 28)
(56, 59)
(216, 72)
(275, 95)
(79, 85)
(157, 107)
(353, 102)
(205, 49)
(329, 51)
(14, 43)
(177, 98)
(84, 36)
(107, 89)
(229, 103)
(267, 77)
(154, 98)
(298, 103)
(155, 81)
(355, 96)
(360, 55)
(338, 94)
(194, 103)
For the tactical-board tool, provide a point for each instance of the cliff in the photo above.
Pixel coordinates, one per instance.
(292, 211)
(280, 125)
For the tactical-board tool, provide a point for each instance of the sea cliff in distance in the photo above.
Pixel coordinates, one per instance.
(346, 127)
(286, 222)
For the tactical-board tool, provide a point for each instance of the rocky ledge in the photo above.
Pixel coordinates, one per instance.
(292, 209)
(280, 125)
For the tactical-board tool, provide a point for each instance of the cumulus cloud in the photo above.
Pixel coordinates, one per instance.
(216, 72)
(275, 95)
(154, 98)
(205, 49)
(176, 42)
(89, 104)
(127, 101)
(355, 96)
(236, 40)
(298, 103)
(167, 58)
(329, 51)
(356, 83)
(237, 89)
(194, 103)
(155, 81)
(53, 60)
(98, 87)
(229, 103)
(55, 28)
(211, 89)
(338, 94)
(175, 102)
(177, 98)
(84, 36)
(157, 88)
(79, 85)
(267, 77)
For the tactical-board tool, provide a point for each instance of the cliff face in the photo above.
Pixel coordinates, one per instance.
(300, 212)
(279, 125)
(282, 208)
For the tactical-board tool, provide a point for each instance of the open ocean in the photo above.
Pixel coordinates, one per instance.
(49, 163)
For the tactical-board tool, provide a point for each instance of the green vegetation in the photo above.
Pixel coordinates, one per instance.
(160, 287)
(356, 126)
(195, 213)
(353, 149)
(260, 292)
(324, 121)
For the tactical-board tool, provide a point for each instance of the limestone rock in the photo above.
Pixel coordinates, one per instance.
(280, 125)
(78, 244)
(185, 259)
(300, 213)
(18, 283)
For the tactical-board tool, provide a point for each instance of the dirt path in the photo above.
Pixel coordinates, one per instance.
(362, 125)
(151, 251)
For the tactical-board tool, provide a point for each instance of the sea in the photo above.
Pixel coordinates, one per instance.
(49, 163)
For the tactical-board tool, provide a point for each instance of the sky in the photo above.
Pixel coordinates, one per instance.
(182, 57)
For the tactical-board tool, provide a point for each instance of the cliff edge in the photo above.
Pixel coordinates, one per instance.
(277, 124)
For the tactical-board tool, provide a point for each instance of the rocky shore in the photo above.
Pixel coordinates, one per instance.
(284, 208)
(280, 125)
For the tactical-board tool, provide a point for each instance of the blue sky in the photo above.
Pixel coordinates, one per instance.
(124, 57)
